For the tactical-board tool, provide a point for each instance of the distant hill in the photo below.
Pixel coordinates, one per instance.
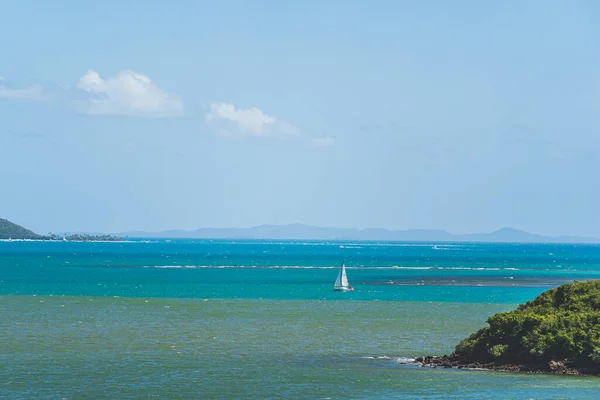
(308, 232)
(9, 230)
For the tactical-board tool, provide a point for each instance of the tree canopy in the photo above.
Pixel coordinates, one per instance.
(9, 230)
(561, 324)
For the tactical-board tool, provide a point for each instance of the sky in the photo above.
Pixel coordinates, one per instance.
(467, 116)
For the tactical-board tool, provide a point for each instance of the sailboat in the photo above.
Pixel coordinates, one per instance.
(341, 283)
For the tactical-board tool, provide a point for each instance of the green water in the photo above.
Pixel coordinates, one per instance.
(259, 320)
(59, 347)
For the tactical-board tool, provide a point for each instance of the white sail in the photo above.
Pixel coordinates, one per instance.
(342, 280)
(338, 281)
(344, 277)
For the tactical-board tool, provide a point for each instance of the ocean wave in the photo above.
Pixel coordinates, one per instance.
(446, 247)
(447, 268)
(349, 244)
(432, 245)
(241, 266)
(399, 360)
(394, 267)
(377, 357)
(404, 360)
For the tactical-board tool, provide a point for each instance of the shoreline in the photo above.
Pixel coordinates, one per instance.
(66, 241)
(553, 367)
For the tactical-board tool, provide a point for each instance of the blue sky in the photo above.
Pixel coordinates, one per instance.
(466, 116)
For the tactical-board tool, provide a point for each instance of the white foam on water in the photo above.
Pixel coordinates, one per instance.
(404, 360)
(394, 267)
(239, 266)
(377, 357)
(446, 247)
(399, 360)
(73, 241)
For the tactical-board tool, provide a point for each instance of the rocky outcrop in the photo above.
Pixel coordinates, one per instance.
(452, 361)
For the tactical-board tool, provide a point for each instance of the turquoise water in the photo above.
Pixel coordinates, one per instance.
(256, 319)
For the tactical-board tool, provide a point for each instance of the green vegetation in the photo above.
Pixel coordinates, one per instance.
(8, 230)
(561, 325)
(80, 237)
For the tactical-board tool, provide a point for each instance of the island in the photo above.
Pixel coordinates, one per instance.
(9, 230)
(557, 332)
(12, 231)
(82, 237)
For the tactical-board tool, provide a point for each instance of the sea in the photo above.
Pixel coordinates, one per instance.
(250, 319)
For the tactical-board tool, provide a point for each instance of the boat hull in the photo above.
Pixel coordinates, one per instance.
(343, 289)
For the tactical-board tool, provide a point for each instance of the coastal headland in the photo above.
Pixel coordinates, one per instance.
(558, 332)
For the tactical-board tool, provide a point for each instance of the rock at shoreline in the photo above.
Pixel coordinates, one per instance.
(556, 367)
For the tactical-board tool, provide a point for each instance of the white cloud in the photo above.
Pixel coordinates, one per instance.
(33, 92)
(131, 93)
(128, 93)
(324, 141)
(228, 120)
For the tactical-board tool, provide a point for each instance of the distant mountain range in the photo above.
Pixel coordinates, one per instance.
(308, 232)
